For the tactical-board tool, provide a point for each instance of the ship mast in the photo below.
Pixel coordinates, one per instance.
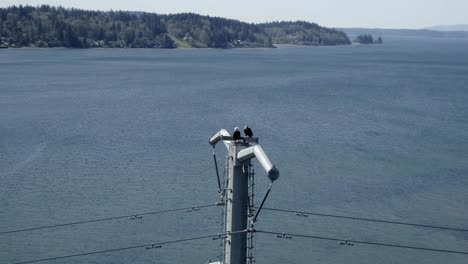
(239, 215)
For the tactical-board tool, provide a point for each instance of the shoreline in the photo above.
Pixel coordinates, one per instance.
(275, 46)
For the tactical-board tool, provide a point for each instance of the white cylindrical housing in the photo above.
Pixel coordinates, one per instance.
(257, 151)
(219, 136)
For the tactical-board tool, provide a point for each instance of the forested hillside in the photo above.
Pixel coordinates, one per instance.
(202, 31)
(47, 26)
(304, 33)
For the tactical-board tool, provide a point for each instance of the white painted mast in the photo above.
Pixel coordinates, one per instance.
(240, 154)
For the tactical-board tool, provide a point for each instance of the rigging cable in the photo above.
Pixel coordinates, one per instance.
(187, 209)
(217, 171)
(350, 242)
(263, 202)
(152, 245)
(303, 213)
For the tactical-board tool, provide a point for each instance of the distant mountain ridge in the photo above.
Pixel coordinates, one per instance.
(459, 27)
(352, 32)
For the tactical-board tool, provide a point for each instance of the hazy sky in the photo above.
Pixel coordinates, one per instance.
(333, 13)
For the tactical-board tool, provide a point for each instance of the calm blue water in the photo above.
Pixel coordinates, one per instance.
(365, 131)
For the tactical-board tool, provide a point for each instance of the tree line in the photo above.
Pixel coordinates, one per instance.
(48, 26)
(367, 39)
(304, 33)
